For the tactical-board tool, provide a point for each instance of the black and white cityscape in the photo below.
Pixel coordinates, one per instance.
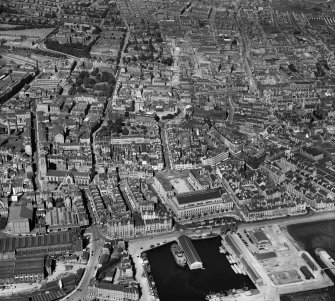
(167, 150)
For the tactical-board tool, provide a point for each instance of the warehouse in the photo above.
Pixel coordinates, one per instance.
(307, 273)
(192, 256)
(251, 272)
(232, 244)
(47, 244)
(20, 219)
(27, 269)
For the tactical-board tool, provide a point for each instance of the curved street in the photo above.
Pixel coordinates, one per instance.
(81, 290)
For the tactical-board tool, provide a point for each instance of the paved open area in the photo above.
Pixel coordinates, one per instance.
(181, 185)
(274, 255)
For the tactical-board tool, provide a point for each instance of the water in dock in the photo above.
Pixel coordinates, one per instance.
(311, 236)
(181, 284)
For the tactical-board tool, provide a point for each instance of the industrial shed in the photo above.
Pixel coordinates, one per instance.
(192, 256)
(251, 272)
(232, 244)
(307, 273)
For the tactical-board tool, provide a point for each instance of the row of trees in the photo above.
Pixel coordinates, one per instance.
(171, 116)
(115, 126)
(75, 49)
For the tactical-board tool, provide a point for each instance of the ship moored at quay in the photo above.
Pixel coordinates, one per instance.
(326, 259)
(178, 254)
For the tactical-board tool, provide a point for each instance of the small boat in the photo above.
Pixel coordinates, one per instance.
(228, 258)
(214, 296)
(224, 249)
(234, 268)
(239, 271)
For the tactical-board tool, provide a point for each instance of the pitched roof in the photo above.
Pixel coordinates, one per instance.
(20, 212)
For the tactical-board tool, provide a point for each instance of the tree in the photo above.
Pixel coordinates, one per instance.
(168, 116)
(116, 126)
(292, 68)
(72, 90)
(108, 77)
(79, 81)
(80, 90)
(97, 30)
(84, 74)
(125, 132)
(98, 77)
(168, 61)
(159, 38)
(89, 82)
(95, 72)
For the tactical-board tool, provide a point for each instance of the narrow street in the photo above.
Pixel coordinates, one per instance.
(109, 105)
(164, 146)
(245, 55)
(34, 146)
(231, 110)
(117, 75)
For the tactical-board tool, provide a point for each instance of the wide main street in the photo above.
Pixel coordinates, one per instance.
(309, 218)
(81, 290)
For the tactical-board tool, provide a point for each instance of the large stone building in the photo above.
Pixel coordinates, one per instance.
(128, 227)
(198, 203)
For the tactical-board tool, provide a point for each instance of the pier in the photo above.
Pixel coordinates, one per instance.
(192, 256)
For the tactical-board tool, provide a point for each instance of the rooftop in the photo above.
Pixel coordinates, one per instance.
(198, 196)
(189, 249)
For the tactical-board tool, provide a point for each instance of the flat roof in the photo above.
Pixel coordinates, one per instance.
(266, 255)
(191, 253)
(198, 196)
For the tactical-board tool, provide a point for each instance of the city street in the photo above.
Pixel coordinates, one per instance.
(81, 291)
(130, 123)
